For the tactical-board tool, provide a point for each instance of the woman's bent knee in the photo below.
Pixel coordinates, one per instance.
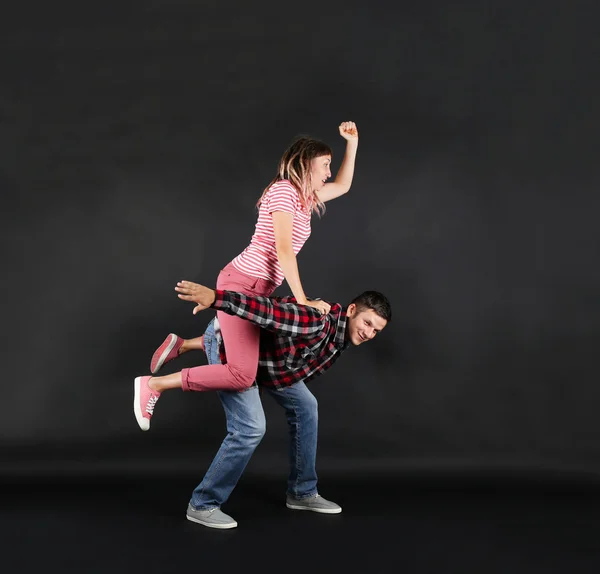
(241, 380)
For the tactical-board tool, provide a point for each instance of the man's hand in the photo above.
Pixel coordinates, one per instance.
(203, 296)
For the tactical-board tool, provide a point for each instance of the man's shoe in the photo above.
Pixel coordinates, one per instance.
(144, 399)
(315, 503)
(211, 517)
(168, 351)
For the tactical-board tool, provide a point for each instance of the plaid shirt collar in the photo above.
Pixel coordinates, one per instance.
(340, 330)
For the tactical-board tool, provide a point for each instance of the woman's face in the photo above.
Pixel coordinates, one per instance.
(320, 171)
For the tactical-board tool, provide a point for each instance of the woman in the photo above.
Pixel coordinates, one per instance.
(282, 228)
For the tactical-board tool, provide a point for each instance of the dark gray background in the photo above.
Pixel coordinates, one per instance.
(135, 140)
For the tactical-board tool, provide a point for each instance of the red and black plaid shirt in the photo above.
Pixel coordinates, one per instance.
(297, 342)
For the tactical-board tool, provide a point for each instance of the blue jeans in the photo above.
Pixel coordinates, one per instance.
(246, 425)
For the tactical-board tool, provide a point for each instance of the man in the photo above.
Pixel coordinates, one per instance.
(297, 344)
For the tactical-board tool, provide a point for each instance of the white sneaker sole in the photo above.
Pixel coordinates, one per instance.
(312, 509)
(212, 524)
(165, 353)
(144, 423)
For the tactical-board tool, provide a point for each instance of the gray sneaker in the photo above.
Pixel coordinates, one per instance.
(315, 503)
(211, 517)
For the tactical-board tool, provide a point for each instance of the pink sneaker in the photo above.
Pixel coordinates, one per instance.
(144, 399)
(166, 352)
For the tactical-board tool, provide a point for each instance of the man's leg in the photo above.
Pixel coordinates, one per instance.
(245, 428)
(301, 410)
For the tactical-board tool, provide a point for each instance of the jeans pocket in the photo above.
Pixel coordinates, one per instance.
(208, 348)
(211, 344)
(230, 279)
(243, 284)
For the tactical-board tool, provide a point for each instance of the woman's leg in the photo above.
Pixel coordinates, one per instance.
(240, 338)
(195, 344)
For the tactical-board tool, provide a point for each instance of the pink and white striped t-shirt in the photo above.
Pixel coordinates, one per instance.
(259, 259)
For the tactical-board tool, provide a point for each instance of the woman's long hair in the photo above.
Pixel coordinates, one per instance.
(294, 166)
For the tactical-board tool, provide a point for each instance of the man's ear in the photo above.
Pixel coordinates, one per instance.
(351, 310)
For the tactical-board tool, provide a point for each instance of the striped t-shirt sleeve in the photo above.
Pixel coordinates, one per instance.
(283, 197)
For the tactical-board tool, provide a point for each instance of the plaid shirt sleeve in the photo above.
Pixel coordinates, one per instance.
(272, 314)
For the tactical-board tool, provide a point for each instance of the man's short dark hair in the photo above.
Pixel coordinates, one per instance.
(376, 301)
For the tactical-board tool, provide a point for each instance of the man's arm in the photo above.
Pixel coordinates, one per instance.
(268, 313)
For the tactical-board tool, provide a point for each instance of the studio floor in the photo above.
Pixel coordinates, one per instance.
(387, 525)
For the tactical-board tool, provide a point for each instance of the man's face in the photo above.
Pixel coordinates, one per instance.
(363, 325)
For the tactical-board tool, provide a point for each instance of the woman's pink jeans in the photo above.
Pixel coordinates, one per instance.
(240, 337)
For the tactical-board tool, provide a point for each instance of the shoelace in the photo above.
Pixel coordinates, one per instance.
(151, 403)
